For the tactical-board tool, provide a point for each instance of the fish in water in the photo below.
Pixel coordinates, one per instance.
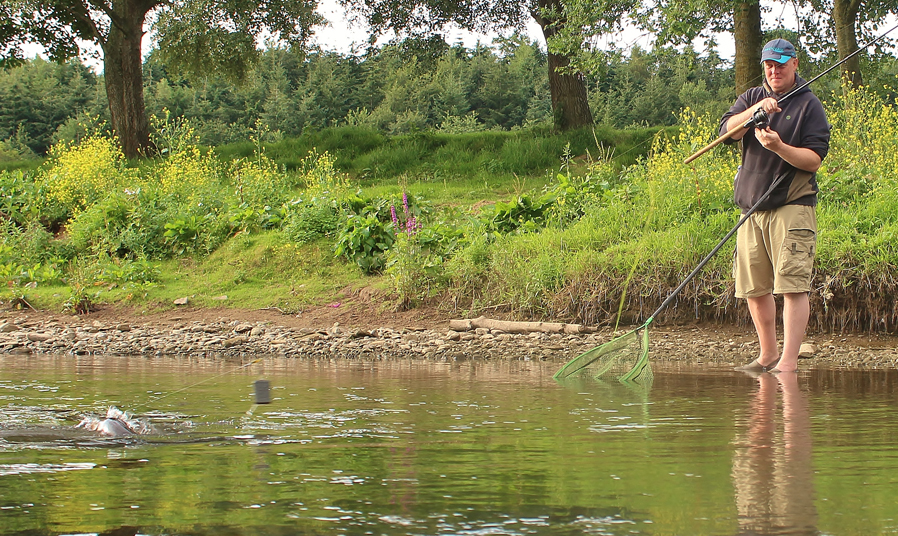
(117, 423)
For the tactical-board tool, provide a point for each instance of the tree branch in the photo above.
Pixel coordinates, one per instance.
(81, 13)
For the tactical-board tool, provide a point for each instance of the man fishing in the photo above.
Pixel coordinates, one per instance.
(775, 247)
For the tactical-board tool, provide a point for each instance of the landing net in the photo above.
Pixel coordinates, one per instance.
(625, 358)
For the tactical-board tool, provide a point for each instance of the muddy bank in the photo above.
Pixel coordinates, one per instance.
(237, 335)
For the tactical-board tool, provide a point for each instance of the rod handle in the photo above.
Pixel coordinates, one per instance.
(718, 141)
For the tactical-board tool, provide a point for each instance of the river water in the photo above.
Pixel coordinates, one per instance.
(420, 448)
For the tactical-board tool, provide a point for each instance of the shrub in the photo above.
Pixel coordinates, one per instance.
(364, 240)
(306, 222)
(19, 197)
(195, 233)
(127, 224)
(78, 175)
(26, 255)
(415, 262)
(323, 205)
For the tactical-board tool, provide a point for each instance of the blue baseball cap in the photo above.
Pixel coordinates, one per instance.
(778, 50)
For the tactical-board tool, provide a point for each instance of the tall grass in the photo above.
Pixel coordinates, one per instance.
(372, 156)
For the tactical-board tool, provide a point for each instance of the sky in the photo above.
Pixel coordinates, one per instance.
(339, 35)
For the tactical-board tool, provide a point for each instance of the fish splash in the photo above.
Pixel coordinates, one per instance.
(117, 423)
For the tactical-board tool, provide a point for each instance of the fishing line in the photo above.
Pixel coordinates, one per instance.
(638, 257)
(191, 386)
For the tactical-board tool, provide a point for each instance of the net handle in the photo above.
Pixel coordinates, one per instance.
(714, 251)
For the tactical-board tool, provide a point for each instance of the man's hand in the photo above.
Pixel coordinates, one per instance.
(769, 138)
(770, 105)
(800, 157)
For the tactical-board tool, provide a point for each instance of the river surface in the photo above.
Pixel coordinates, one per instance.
(420, 448)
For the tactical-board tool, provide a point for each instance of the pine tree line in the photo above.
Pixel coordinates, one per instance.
(403, 87)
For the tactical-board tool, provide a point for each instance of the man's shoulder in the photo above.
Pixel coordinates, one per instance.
(757, 92)
(753, 95)
(806, 98)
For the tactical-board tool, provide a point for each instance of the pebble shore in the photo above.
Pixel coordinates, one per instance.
(241, 339)
(236, 339)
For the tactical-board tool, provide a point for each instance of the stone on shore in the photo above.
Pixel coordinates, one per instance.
(228, 338)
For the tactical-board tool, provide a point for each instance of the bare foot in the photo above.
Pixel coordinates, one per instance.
(786, 365)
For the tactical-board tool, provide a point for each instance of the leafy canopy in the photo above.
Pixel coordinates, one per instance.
(196, 36)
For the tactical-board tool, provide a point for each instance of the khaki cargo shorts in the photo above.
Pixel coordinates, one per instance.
(775, 252)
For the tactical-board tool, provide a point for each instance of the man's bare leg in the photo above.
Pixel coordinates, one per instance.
(796, 311)
(763, 314)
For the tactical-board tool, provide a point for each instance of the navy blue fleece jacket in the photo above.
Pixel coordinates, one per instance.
(802, 123)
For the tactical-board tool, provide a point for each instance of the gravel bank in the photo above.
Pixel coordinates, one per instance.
(24, 335)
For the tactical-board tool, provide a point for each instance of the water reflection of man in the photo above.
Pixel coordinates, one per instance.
(772, 472)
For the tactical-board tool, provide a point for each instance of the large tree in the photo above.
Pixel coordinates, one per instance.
(680, 21)
(197, 36)
(850, 20)
(567, 87)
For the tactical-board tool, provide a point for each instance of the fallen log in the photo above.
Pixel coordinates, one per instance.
(518, 327)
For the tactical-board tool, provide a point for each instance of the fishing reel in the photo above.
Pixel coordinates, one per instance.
(760, 118)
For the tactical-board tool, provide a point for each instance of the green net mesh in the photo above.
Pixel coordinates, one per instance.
(625, 358)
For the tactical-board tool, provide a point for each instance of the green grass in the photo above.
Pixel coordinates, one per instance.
(251, 271)
(372, 157)
(258, 271)
(30, 164)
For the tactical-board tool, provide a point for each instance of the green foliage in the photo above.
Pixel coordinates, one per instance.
(415, 262)
(307, 222)
(585, 235)
(199, 38)
(188, 234)
(395, 90)
(111, 270)
(324, 203)
(859, 182)
(451, 89)
(364, 240)
(36, 99)
(523, 213)
(27, 256)
(655, 218)
(125, 225)
(19, 197)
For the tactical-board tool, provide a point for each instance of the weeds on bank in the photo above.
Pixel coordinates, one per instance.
(590, 241)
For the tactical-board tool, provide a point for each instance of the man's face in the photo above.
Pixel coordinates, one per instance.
(780, 76)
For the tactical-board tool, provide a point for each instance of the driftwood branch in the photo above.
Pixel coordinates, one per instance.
(518, 327)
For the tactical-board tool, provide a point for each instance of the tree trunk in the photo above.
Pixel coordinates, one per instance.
(124, 77)
(844, 19)
(509, 326)
(747, 32)
(568, 90)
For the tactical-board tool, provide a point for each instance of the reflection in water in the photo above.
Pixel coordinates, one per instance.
(772, 471)
(409, 447)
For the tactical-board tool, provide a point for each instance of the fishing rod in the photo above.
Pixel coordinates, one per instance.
(761, 119)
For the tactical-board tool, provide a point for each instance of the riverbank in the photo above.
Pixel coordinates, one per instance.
(349, 332)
